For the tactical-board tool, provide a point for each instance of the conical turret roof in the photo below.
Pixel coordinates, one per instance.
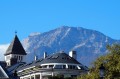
(15, 47)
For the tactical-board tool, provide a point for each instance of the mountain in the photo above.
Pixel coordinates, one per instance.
(89, 44)
(3, 48)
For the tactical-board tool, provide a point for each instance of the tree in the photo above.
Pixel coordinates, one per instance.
(111, 61)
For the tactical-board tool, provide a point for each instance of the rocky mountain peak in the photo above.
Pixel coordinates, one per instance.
(89, 44)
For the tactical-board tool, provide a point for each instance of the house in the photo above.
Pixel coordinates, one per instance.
(57, 64)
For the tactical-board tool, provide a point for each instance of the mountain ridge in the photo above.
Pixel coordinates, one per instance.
(89, 44)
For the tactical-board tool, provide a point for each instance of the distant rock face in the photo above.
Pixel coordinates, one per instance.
(34, 34)
(89, 44)
(3, 48)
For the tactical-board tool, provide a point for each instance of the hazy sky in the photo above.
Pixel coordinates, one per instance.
(28, 16)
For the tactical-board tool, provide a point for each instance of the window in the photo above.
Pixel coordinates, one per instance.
(64, 66)
(45, 66)
(17, 57)
(72, 67)
(58, 66)
(81, 67)
(21, 57)
(69, 66)
(50, 66)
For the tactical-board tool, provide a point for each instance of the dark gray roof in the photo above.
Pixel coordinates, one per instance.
(59, 58)
(14, 67)
(6, 72)
(3, 63)
(54, 58)
(15, 47)
(3, 72)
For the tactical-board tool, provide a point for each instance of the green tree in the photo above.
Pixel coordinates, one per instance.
(111, 62)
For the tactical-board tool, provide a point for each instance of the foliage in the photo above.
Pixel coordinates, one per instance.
(111, 62)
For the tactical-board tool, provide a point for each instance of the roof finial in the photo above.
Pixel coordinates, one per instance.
(15, 32)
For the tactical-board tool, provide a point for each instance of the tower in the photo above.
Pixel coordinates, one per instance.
(15, 52)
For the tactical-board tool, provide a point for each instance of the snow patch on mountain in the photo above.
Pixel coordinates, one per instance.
(79, 45)
(34, 34)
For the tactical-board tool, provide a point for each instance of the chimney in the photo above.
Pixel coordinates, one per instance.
(36, 58)
(45, 55)
(73, 54)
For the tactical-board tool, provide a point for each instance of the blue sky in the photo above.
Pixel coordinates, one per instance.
(28, 16)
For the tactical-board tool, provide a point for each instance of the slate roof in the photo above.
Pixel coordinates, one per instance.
(54, 58)
(15, 47)
(14, 67)
(3, 63)
(59, 58)
(7, 72)
(3, 73)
